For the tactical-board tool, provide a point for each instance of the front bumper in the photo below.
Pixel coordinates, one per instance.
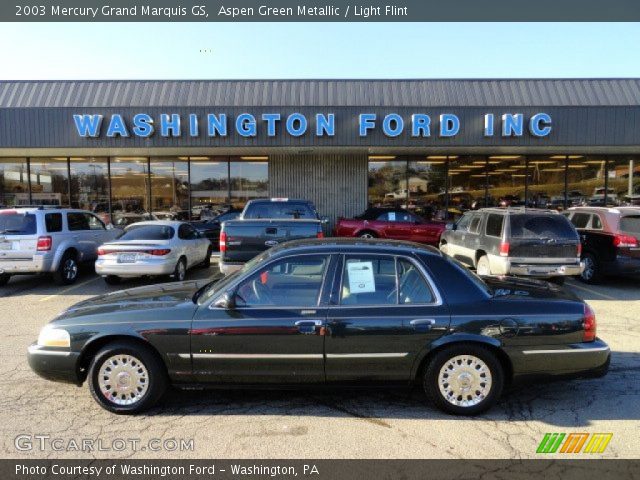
(138, 269)
(54, 364)
(577, 358)
(33, 264)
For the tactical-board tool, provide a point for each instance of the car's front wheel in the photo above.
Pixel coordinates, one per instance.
(206, 263)
(591, 272)
(126, 378)
(483, 268)
(464, 379)
(67, 272)
(4, 279)
(180, 272)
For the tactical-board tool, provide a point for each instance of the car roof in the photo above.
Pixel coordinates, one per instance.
(518, 210)
(165, 223)
(625, 209)
(46, 209)
(351, 245)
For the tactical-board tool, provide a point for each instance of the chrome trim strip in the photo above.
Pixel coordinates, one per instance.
(255, 356)
(367, 355)
(567, 350)
(37, 350)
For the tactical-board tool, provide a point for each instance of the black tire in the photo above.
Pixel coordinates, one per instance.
(180, 272)
(207, 261)
(486, 399)
(156, 381)
(4, 279)
(591, 273)
(558, 280)
(112, 280)
(67, 272)
(367, 234)
(483, 263)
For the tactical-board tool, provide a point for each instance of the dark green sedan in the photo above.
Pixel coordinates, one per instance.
(325, 312)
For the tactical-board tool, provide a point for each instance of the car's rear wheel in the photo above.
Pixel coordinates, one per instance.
(482, 267)
(4, 279)
(591, 272)
(464, 379)
(67, 272)
(112, 279)
(443, 248)
(180, 272)
(206, 263)
(126, 378)
(367, 235)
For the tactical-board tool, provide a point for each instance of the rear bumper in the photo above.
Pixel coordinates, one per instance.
(35, 264)
(506, 266)
(577, 358)
(55, 365)
(138, 269)
(228, 268)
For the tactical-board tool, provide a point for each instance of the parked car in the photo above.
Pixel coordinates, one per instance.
(49, 240)
(597, 199)
(610, 240)
(180, 215)
(153, 248)
(515, 241)
(263, 224)
(325, 312)
(211, 228)
(122, 219)
(393, 223)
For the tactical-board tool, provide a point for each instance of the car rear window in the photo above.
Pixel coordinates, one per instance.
(280, 210)
(148, 232)
(15, 223)
(53, 222)
(630, 223)
(541, 226)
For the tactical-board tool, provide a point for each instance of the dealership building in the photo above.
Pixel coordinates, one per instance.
(438, 147)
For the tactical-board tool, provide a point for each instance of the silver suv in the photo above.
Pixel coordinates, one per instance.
(54, 240)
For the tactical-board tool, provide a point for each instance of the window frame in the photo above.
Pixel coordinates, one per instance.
(486, 225)
(52, 215)
(80, 214)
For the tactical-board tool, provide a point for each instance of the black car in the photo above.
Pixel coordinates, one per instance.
(325, 312)
(210, 228)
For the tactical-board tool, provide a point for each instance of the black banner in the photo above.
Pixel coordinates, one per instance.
(319, 11)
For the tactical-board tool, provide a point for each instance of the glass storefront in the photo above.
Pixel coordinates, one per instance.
(49, 181)
(170, 187)
(248, 179)
(14, 182)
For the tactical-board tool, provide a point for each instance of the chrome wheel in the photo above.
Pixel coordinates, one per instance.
(123, 379)
(70, 269)
(483, 268)
(589, 268)
(181, 271)
(464, 380)
(366, 235)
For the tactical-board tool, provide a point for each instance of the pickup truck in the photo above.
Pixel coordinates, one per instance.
(263, 224)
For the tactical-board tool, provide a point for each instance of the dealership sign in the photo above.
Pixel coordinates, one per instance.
(417, 125)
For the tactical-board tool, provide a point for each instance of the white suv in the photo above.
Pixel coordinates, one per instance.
(54, 240)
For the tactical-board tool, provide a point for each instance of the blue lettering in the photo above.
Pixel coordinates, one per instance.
(246, 125)
(169, 123)
(301, 120)
(271, 119)
(117, 126)
(392, 125)
(217, 125)
(449, 125)
(193, 125)
(88, 125)
(540, 125)
(512, 124)
(367, 121)
(420, 125)
(142, 125)
(488, 124)
(325, 124)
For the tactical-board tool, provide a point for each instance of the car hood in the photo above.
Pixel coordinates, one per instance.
(516, 287)
(152, 297)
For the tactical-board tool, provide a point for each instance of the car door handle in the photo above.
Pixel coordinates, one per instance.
(422, 324)
(308, 327)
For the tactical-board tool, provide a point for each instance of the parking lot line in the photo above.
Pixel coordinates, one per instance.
(69, 289)
(591, 291)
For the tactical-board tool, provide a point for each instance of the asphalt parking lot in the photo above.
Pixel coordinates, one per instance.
(258, 424)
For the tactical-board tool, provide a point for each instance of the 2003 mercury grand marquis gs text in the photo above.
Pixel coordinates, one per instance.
(329, 312)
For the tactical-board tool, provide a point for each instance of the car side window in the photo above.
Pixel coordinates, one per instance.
(413, 287)
(596, 223)
(187, 232)
(580, 220)
(291, 282)
(464, 222)
(53, 222)
(494, 225)
(77, 221)
(369, 280)
(474, 227)
(94, 222)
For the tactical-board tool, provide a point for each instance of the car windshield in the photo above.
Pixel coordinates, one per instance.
(541, 226)
(148, 232)
(219, 286)
(14, 223)
(630, 224)
(283, 210)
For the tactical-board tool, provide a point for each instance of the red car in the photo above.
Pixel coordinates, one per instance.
(393, 223)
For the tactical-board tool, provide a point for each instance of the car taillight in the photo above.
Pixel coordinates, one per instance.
(579, 250)
(101, 251)
(159, 252)
(504, 249)
(223, 242)
(625, 241)
(589, 324)
(44, 244)
(320, 235)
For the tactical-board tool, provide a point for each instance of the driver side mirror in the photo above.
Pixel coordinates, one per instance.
(226, 301)
(324, 219)
(451, 226)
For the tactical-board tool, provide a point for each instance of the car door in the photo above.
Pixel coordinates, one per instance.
(98, 234)
(274, 332)
(192, 244)
(398, 225)
(384, 311)
(81, 235)
(455, 246)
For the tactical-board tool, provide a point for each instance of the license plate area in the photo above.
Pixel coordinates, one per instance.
(6, 245)
(127, 257)
(547, 271)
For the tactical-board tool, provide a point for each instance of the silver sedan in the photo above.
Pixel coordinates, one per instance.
(153, 248)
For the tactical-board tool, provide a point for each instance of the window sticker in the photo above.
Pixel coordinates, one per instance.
(361, 277)
(392, 216)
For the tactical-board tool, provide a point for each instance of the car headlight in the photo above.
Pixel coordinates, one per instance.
(54, 337)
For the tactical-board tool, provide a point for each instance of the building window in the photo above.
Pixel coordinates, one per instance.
(130, 190)
(507, 180)
(623, 180)
(209, 184)
(49, 181)
(90, 185)
(585, 180)
(387, 181)
(426, 179)
(467, 185)
(14, 183)
(546, 182)
(170, 187)
(248, 179)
